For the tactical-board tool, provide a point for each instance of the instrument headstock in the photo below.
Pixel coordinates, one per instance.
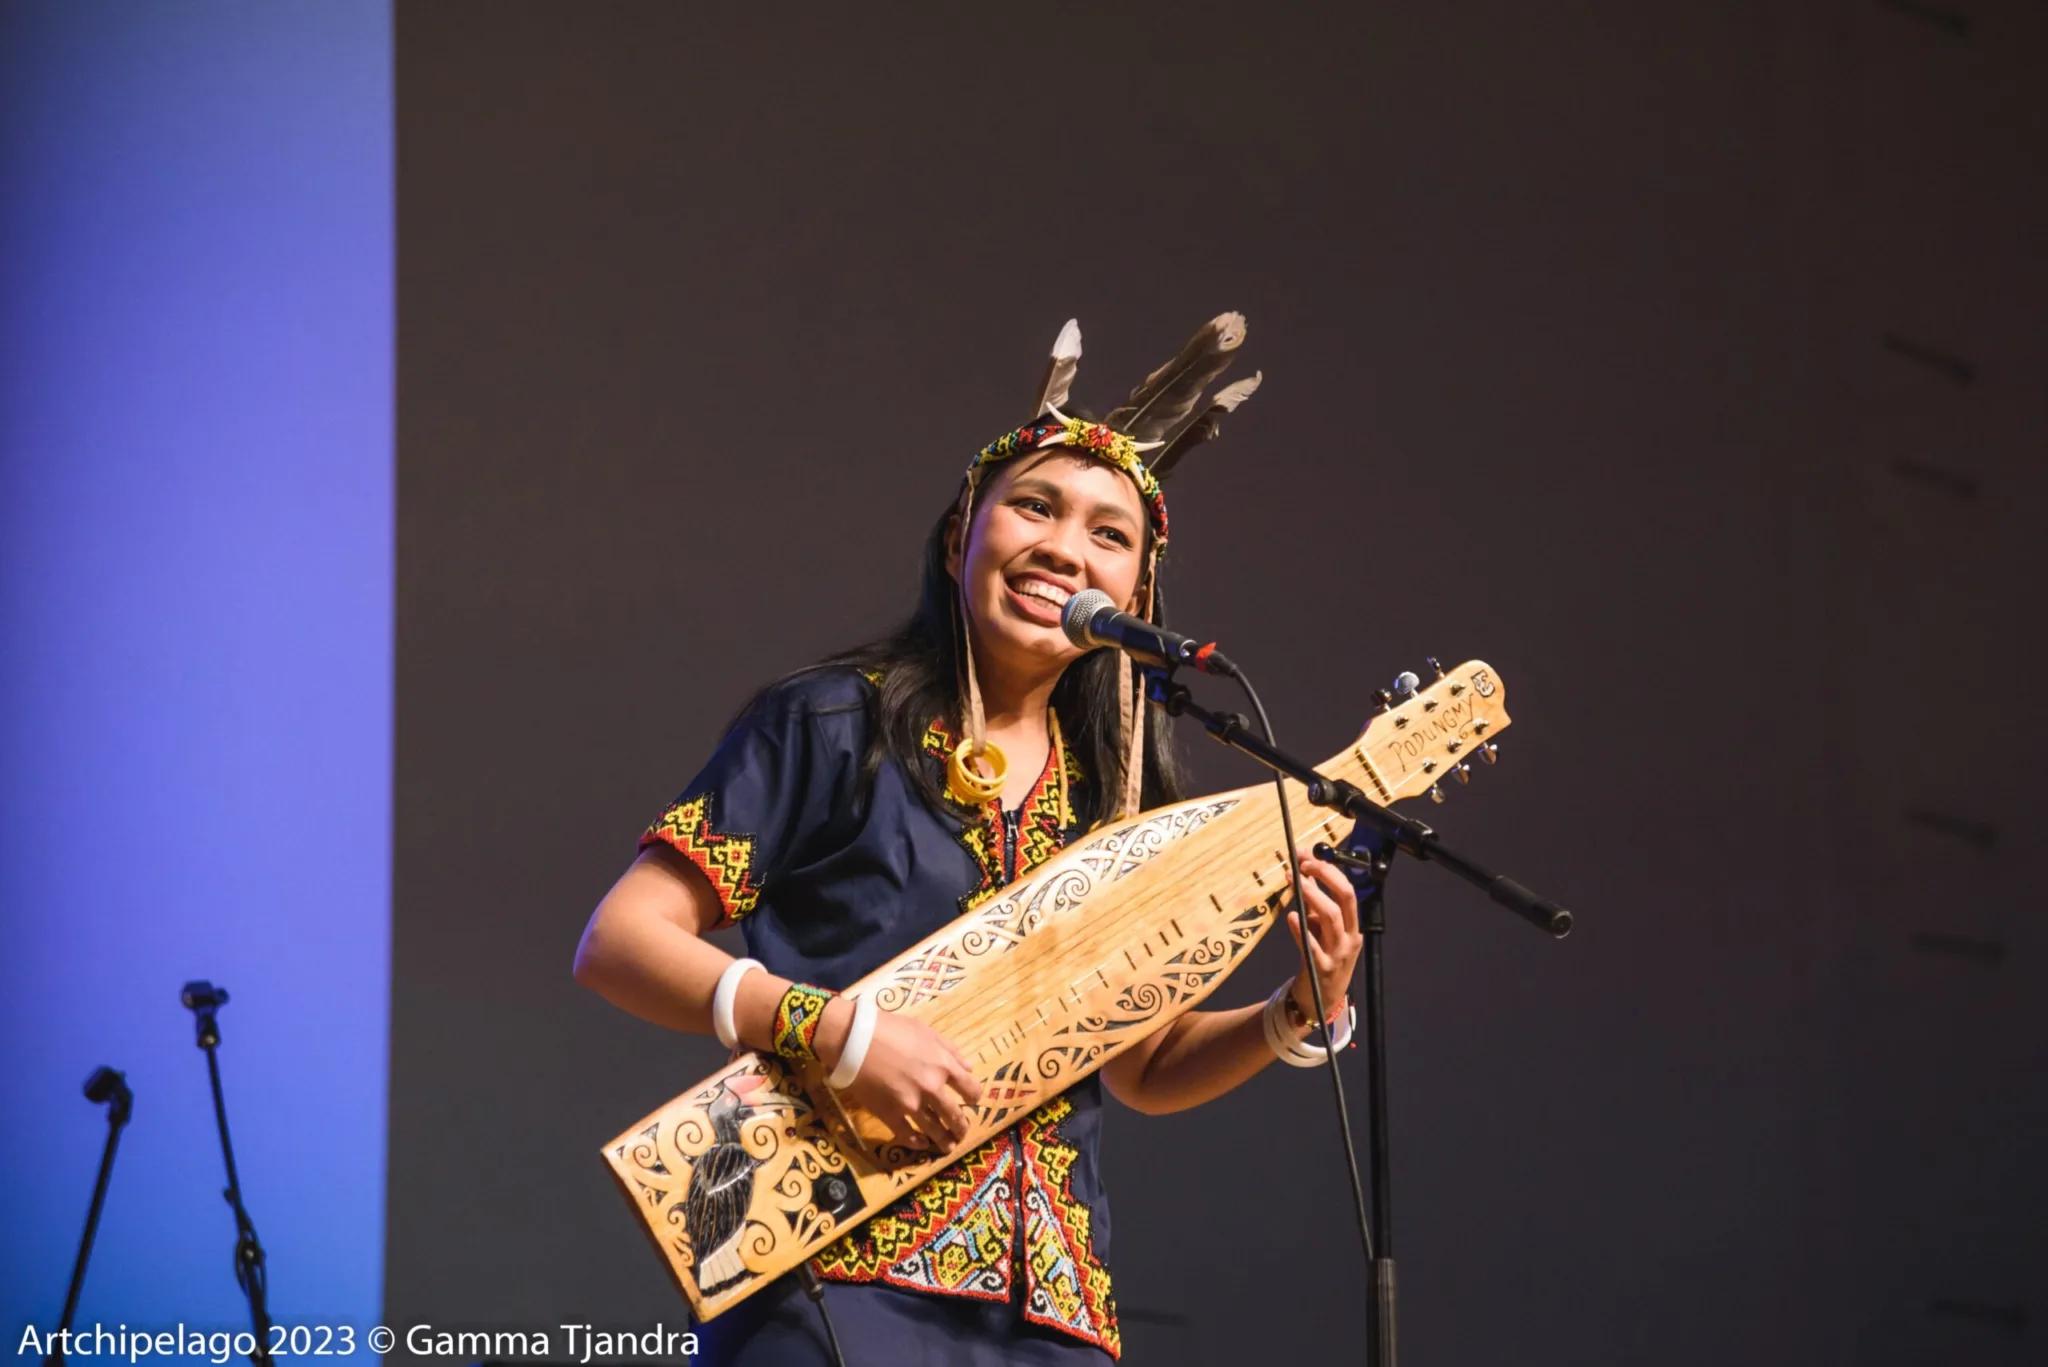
(1426, 732)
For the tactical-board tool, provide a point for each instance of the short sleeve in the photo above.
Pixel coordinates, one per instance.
(781, 776)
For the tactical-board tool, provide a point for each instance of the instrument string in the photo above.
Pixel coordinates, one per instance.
(1315, 984)
(1254, 888)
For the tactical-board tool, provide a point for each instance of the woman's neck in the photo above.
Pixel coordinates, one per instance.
(1015, 711)
(1013, 704)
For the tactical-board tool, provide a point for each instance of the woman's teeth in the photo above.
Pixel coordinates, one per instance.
(1051, 593)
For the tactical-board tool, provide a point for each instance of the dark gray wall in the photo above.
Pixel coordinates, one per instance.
(1574, 318)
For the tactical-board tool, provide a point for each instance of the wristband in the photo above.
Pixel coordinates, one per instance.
(1298, 1019)
(722, 1000)
(796, 1021)
(858, 1037)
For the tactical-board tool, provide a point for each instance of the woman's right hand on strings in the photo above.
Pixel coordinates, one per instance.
(912, 1080)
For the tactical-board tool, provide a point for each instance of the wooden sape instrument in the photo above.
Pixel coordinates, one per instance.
(746, 1175)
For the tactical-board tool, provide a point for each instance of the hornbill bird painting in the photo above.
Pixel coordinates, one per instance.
(721, 1189)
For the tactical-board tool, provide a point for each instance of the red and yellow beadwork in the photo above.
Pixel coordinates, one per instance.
(796, 1021)
(727, 860)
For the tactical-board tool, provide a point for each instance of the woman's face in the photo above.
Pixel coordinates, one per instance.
(1045, 527)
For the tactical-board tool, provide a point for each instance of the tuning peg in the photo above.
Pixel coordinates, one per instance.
(1489, 752)
(1463, 773)
(1405, 683)
(1436, 792)
(1430, 660)
(1382, 700)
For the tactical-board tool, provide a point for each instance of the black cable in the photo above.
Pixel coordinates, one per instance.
(1315, 983)
(815, 1289)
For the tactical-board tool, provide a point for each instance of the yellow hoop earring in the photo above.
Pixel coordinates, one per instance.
(969, 788)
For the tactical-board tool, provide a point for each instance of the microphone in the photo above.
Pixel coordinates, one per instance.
(106, 1084)
(1091, 619)
(202, 996)
(203, 999)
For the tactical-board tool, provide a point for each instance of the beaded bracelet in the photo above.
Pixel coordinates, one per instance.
(796, 1021)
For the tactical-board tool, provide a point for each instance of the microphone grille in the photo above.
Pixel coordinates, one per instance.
(103, 1083)
(1080, 612)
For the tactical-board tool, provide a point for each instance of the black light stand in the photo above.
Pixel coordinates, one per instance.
(204, 999)
(1368, 854)
(104, 1085)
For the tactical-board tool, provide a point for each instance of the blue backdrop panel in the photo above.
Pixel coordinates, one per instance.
(195, 600)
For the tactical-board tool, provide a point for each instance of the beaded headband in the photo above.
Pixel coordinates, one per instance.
(1163, 415)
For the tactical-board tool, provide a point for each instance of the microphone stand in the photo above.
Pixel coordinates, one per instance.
(1368, 855)
(204, 999)
(104, 1085)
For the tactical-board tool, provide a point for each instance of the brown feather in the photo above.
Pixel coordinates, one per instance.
(1170, 393)
(1202, 428)
(1060, 368)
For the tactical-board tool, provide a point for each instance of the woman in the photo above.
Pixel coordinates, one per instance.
(858, 806)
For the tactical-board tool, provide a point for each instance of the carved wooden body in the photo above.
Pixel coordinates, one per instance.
(1037, 987)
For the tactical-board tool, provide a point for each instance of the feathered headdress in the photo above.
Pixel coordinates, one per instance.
(1164, 419)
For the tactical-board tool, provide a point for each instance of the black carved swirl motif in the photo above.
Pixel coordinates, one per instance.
(760, 1236)
(1057, 1059)
(1003, 924)
(693, 1134)
(980, 939)
(1059, 896)
(816, 1198)
(892, 1154)
(1143, 842)
(1212, 949)
(1144, 998)
(762, 1135)
(896, 994)
(686, 1252)
(646, 1155)
(1032, 910)
(803, 1165)
(1142, 1001)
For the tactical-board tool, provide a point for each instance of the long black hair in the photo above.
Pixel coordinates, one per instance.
(921, 670)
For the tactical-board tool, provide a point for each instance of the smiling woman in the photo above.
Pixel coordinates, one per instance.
(1050, 526)
(858, 806)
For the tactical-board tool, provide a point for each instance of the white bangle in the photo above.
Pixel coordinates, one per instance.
(1270, 1024)
(859, 1036)
(1294, 1052)
(722, 1000)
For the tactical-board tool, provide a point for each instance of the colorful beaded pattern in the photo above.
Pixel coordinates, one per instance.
(1068, 1287)
(727, 860)
(796, 1021)
(1041, 822)
(957, 1234)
